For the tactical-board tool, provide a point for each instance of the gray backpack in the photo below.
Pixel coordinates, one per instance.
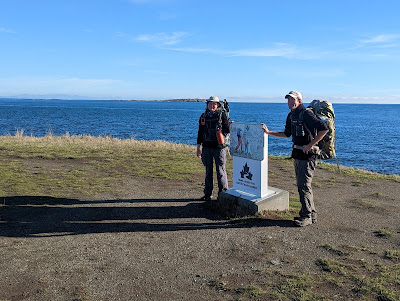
(323, 109)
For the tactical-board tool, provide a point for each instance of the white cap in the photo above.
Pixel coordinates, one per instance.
(213, 99)
(294, 94)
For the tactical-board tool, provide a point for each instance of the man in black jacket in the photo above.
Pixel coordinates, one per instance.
(213, 127)
(306, 131)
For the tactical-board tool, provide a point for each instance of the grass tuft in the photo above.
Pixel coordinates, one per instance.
(331, 266)
(393, 255)
(334, 250)
(384, 233)
(250, 291)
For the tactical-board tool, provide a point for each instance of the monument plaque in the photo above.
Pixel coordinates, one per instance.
(249, 148)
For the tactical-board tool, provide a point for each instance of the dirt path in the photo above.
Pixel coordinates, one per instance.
(158, 243)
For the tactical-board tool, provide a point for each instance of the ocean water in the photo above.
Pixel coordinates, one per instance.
(368, 135)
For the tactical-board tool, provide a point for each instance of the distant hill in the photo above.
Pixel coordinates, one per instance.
(79, 97)
(185, 100)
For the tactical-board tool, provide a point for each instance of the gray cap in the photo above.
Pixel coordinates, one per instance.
(294, 94)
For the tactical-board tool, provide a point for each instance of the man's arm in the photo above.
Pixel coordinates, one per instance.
(315, 141)
(273, 133)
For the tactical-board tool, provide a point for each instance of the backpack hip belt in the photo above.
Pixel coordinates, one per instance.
(301, 147)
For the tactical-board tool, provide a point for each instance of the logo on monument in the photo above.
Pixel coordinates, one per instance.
(246, 172)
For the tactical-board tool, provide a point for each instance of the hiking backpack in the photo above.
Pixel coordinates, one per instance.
(225, 108)
(323, 109)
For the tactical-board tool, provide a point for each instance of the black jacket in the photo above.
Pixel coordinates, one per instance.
(297, 123)
(209, 123)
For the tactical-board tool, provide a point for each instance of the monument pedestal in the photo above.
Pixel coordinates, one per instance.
(250, 192)
(238, 203)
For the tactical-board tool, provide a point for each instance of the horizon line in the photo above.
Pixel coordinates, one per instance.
(194, 100)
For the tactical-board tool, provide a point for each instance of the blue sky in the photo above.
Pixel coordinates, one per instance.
(345, 51)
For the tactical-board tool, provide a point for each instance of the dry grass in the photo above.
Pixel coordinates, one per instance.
(89, 141)
(71, 165)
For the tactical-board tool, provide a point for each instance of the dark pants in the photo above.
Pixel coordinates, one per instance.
(208, 156)
(304, 174)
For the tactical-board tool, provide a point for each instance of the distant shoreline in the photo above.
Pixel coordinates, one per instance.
(202, 100)
(158, 100)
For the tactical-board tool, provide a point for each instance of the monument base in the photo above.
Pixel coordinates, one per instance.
(237, 203)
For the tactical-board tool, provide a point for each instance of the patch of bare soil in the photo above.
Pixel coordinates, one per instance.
(157, 242)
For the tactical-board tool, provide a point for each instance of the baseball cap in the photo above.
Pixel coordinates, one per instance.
(213, 99)
(294, 94)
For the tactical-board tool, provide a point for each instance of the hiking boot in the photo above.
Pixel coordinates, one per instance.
(313, 218)
(206, 198)
(303, 221)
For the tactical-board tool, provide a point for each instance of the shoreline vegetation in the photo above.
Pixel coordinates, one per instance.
(83, 98)
(30, 164)
(108, 141)
(74, 99)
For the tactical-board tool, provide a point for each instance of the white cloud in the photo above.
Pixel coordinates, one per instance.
(159, 39)
(383, 38)
(7, 30)
(277, 50)
(122, 35)
(197, 50)
(162, 38)
(281, 51)
(380, 47)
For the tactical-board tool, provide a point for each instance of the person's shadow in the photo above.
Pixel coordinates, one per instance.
(41, 216)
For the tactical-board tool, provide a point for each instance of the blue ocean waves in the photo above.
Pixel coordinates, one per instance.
(367, 134)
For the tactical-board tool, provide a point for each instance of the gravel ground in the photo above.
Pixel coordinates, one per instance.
(157, 242)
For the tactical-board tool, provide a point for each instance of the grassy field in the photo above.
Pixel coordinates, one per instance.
(62, 166)
(84, 167)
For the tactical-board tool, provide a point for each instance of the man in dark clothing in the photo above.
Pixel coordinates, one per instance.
(213, 127)
(306, 131)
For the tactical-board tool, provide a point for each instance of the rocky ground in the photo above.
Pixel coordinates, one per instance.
(157, 242)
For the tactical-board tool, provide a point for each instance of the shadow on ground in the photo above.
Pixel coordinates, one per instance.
(43, 216)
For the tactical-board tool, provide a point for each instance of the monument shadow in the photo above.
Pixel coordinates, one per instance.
(44, 216)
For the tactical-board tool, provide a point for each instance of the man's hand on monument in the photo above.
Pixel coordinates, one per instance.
(265, 129)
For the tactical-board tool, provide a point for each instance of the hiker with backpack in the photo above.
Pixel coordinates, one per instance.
(212, 139)
(307, 131)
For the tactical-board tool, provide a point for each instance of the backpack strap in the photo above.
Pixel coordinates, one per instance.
(301, 115)
(203, 119)
(301, 118)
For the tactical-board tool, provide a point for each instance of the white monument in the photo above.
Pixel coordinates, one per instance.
(249, 148)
